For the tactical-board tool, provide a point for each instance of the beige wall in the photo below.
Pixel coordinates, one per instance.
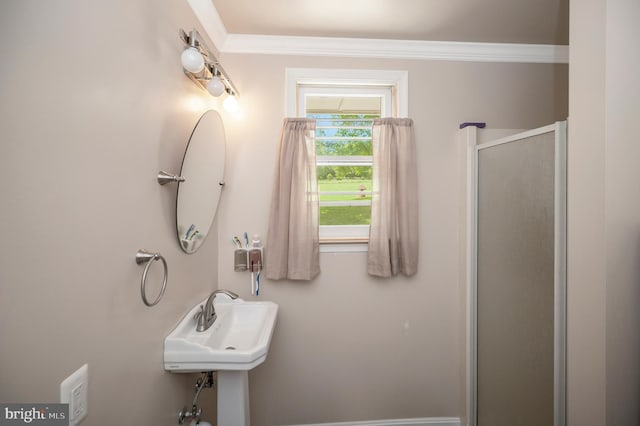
(604, 212)
(93, 102)
(586, 292)
(623, 212)
(348, 346)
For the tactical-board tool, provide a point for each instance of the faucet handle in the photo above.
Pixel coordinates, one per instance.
(199, 313)
(200, 319)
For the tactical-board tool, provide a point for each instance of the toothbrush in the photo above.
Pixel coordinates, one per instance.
(246, 239)
(236, 241)
(191, 228)
(258, 284)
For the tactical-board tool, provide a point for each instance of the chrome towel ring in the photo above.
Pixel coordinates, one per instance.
(143, 256)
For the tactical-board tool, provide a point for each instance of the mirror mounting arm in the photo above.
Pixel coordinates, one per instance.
(165, 178)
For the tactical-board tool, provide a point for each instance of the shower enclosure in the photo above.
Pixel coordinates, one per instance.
(517, 279)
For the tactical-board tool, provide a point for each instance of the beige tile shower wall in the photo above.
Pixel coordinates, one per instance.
(347, 346)
(93, 102)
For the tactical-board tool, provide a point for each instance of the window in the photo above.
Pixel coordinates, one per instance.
(344, 104)
(344, 116)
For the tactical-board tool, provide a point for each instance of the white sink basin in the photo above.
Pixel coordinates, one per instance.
(238, 340)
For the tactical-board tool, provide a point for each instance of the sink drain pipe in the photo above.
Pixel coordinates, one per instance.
(205, 381)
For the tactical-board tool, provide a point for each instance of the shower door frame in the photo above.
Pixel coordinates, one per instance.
(560, 267)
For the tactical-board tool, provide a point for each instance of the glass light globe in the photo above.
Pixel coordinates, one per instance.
(192, 60)
(230, 104)
(215, 86)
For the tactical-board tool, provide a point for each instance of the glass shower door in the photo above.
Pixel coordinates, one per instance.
(519, 285)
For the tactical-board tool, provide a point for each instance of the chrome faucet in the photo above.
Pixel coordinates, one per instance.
(207, 314)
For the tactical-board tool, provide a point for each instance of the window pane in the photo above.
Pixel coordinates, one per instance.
(344, 150)
(345, 195)
(343, 134)
(344, 178)
(341, 215)
(343, 147)
(343, 104)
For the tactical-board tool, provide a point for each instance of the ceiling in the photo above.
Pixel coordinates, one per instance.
(487, 21)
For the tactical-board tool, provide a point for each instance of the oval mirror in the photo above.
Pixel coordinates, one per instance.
(203, 173)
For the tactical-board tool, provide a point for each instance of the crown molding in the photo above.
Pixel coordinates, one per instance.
(210, 20)
(225, 42)
(395, 49)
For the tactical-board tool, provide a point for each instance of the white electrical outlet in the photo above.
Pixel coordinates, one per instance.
(74, 390)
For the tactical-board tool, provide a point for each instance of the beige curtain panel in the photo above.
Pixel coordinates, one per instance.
(292, 249)
(393, 236)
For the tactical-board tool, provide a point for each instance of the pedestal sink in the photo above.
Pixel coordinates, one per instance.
(236, 342)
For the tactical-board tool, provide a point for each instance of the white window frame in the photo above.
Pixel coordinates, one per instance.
(297, 84)
(398, 80)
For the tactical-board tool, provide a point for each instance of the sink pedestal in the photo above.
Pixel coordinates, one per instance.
(233, 398)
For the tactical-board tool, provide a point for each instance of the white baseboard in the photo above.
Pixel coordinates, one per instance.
(427, 421)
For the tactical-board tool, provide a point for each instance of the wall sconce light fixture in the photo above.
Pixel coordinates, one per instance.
(230, 104)
(204, 69)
